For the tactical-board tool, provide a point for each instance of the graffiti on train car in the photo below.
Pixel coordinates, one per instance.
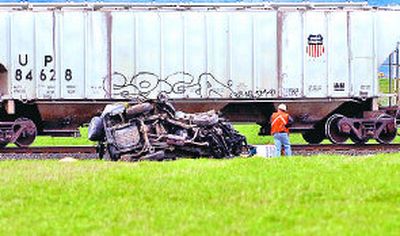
(179, 83)
(182, 83)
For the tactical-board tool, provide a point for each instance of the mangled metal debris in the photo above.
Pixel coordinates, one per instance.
(154, 130)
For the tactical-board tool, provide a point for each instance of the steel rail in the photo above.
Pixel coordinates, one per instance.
(332, 148)
(302, 149)
(50, 150)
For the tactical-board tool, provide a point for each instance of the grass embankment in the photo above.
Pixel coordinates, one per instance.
(64, 141)
(323, 195)
(384, 85)
(318, 196)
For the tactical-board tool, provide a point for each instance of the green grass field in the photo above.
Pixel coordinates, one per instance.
(319, 195)
(324, 195)
(384, 85)
(62, 141)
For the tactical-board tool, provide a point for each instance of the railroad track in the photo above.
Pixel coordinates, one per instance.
(89, 152)
(351, 149)
(44, 153)
(53, 149)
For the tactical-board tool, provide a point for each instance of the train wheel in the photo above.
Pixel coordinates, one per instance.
(28, 133)
(332, 130)
(389, 132)
(313, 136)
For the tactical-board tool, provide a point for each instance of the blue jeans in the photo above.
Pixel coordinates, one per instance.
(282, 139)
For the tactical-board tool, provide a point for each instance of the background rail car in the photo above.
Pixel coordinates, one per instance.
(61, 63)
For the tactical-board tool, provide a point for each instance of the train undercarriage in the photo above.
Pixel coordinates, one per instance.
(319, 119)
(338, 129)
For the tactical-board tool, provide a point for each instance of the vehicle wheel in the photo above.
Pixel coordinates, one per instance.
(28, 134)
(389, 132)
(332, 130)
(313, 136)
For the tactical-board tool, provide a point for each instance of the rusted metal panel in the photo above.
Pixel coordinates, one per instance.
(3, 86)
(67, 115)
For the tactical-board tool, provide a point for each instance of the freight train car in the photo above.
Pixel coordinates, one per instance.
(62, 63)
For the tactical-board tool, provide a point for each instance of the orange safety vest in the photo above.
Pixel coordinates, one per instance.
(279, 120)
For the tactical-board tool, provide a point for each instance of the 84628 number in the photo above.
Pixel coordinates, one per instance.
(19, 75)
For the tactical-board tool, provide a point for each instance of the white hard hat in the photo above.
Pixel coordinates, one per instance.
(282, 107)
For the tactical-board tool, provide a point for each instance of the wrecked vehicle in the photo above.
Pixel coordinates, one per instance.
(154, 130)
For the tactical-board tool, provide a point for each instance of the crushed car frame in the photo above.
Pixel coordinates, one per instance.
(154, 130)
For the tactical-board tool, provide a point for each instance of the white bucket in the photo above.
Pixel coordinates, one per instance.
(266, 150)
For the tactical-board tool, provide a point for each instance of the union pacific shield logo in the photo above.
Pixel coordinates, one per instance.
(315, 46)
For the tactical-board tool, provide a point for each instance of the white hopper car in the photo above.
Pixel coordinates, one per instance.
(62, 63)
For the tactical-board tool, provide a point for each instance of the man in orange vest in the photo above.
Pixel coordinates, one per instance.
(280, 122)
